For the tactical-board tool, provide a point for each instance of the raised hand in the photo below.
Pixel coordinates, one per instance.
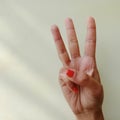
(79, 77)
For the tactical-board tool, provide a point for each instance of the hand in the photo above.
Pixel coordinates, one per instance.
(79, 77)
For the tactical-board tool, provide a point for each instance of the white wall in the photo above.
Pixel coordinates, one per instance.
(29, 65)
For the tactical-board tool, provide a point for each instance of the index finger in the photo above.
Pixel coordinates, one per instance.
(61, 49)
(90, 45)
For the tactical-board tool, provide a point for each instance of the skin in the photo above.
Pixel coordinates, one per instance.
(83, 91)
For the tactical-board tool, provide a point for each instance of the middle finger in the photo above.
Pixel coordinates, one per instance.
(72, 39)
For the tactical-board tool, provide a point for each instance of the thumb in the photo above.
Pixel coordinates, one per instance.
(84, 80)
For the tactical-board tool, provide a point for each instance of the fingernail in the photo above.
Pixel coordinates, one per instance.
(75, 89)
(70, 73)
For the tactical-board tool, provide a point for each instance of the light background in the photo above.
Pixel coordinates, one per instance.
(29, 64)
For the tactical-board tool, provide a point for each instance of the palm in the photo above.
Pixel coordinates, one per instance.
(83, 64)
(89, 96)
(78, 101)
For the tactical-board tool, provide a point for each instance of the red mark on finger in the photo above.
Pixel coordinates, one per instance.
(70, 73)
(75, 89)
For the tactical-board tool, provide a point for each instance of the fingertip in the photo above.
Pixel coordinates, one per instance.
(68, 19)
(55, 32)
(91, 22)
(90, 72)
(54, 27)
(91, 19)
(69, 22)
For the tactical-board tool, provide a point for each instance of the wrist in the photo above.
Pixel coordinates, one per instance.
(90, 115)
